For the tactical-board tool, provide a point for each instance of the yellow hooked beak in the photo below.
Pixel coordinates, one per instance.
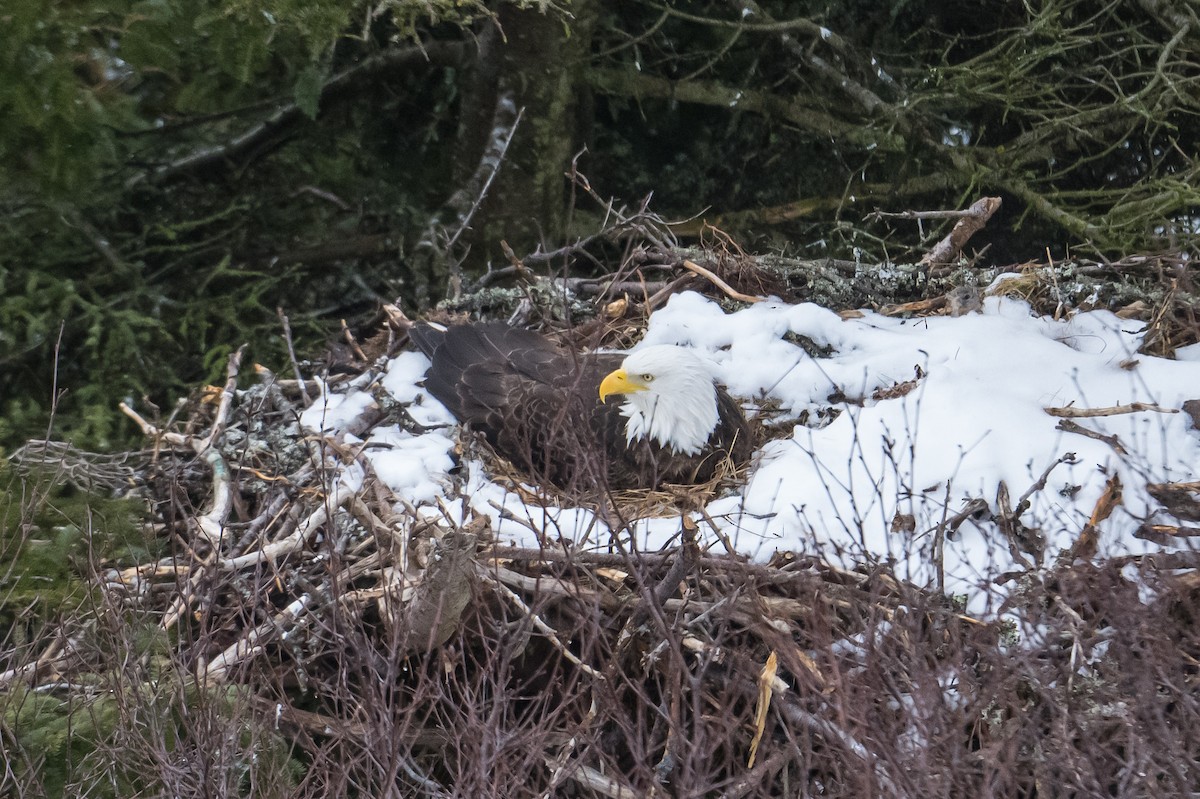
(619, 382)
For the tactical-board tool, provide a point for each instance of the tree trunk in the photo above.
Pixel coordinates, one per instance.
(540, 64)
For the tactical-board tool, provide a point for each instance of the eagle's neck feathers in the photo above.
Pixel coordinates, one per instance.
(678, 410)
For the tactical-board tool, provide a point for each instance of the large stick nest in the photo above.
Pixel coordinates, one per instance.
(394, 653)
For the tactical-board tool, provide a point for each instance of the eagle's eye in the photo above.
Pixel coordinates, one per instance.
(646, 378)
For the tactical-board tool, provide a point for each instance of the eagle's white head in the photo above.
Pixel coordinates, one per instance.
(669, 397)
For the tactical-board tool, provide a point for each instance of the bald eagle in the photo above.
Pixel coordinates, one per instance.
(545, 409)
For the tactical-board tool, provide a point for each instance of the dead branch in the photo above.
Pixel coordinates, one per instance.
(216, 158)
(539, 623)
(975, 218)
(504, 127)
(150, 431)
(732, 293)
(1067, 426)
(272, 552)
(1071, 412)
(253, 641)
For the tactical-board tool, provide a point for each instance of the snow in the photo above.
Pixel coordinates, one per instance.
(974, 418)
(413, 466)
(404, 373)
(334, 412)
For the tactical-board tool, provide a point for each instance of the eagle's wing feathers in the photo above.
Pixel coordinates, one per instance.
(539, 406)
(518, 389)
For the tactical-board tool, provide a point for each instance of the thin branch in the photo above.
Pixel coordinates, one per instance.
(1066, 425)
(504, 129)
(729, 290)
(287, 338)
(545, 629)
(209, 159)
(225, 407)
(1115, 410)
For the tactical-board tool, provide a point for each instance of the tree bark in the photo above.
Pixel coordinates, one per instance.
(540, 62)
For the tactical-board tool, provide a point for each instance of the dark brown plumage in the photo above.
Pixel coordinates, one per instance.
(539, 406)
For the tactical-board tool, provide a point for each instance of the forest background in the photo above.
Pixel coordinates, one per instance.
(180, 177)
(175, 174)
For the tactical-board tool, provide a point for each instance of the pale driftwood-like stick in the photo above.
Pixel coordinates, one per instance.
(286, 546)
(253, 640)
(130, 578)
(729, 290)
(1115, 410)
(150, 431)
(948, 249)
(212, 524)
(550, 585)
(226, 405)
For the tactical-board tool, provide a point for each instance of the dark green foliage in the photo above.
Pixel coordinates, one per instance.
(55, 132)
(54, 745)
(1081, 115)
(145, 739)
(115, 285)
(51, 535)
(137, 254)
(121, 728)
(112, 293)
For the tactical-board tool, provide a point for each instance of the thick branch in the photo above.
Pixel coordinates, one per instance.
(948, 249)
(627, 83)
(339, 86)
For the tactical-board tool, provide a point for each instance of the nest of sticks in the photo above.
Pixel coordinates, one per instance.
(387, 651)
(339, 613)
(341, 617)
(345, 621)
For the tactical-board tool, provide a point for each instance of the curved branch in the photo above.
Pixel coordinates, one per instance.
(838, 79)
(288, 114)
(628, 83)
(1042, 205)
(464, 202)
